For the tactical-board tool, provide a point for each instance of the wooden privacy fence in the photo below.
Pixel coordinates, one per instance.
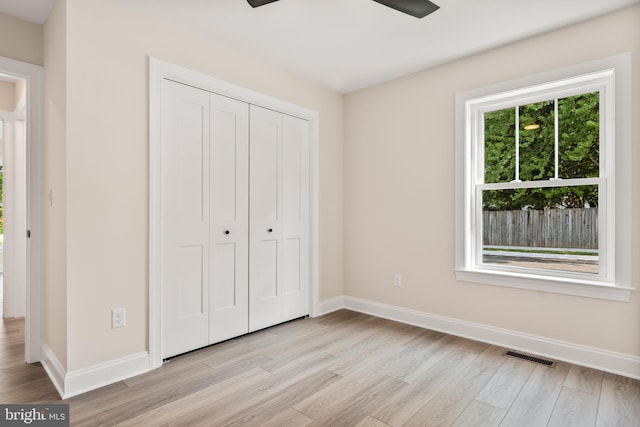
(549, 228)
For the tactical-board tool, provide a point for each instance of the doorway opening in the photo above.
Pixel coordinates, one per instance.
(13, 195)
(22, 121)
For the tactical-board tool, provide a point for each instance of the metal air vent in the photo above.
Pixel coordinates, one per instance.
(538, 360)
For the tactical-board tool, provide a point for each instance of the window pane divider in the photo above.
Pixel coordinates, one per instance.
(575, 182)
(517, 178)
(556, 138)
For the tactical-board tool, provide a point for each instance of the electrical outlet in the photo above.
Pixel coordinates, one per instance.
(118, 317)
(397, 279)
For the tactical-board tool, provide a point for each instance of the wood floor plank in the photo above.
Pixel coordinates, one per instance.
(411, 370)
(182, 407)
(248, 406)
(36, 391)
(404, 363)
(621, 379)
(574, 408)
(492, 357)
(584, 379)
(301, 345)
(384, 335)
(119, 395)
(155, 394)
(310, 361)
(326, 400)
(454, 398)
(329, 340)
(504, 387)
(536, 400)
(230, 404)
(423, 337)
(233, 349)
(343, 317)
(365, 358)
(371, 422)
(288, 418)
(480, 414)
(619, 404)
(400, 407)
(352, 409)
(23, 374)
(472, 346)
(276, 402)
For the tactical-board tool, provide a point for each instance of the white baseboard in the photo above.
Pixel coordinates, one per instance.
(329, 305)
(53, 368)
(69, 384)
(87, 379)
(608, 361)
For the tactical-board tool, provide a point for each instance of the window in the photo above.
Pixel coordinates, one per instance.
(543, 182)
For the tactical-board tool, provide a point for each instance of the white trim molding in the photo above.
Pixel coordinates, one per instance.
(160, 70)
(604, 360)
(330, 305)
(69, 384)
(53, 368)
(93, 377)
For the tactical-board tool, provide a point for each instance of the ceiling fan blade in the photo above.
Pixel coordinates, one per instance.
(417, 8)
(256, 3)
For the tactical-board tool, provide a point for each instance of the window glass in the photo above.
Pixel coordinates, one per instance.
(551, 227)
(499, 145)
(536, 132)
(579, 136)
(532, 228)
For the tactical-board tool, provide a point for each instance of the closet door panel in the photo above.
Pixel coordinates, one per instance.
(265, 204)
(295, 216)
(229, 123)
(185, 218)
(235, 218)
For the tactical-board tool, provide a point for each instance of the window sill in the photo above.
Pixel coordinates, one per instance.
(555, 285)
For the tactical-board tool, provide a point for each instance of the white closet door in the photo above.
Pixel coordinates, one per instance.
(278, 217)
(265, 219)
(295, 217)
(185, 218)
(234, 215)
(229, 296)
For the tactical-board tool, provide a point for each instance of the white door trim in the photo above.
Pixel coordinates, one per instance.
(33, 74)
(159, 70)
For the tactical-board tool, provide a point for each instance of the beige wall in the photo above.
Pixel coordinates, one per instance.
(21, 40)
(107, 165)
(7, 96)
(399, 192)
(54, 214)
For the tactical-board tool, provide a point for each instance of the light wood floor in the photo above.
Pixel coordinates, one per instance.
(341, 369)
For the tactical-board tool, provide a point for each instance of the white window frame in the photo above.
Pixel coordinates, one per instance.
(611, 77)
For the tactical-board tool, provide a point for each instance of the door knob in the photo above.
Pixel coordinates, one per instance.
(226, 231)
(270, 230)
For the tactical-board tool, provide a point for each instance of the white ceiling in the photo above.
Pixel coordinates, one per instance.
(30, 10)
(351, 44)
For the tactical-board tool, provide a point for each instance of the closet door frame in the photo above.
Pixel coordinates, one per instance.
(160, 70)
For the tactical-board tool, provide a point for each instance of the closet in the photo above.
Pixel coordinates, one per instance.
(234, 218)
